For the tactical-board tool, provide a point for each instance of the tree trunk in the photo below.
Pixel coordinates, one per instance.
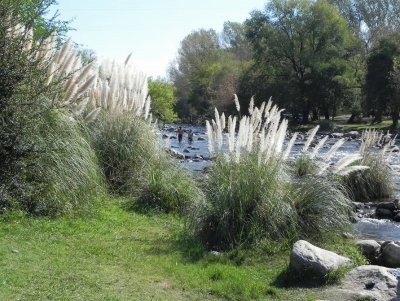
(352, 117)
(378, 117)
(395, 119)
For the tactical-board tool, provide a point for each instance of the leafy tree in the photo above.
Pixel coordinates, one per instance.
(193, 70)
(24, 95)
(163, 99)
(304, 43)
(380, 84)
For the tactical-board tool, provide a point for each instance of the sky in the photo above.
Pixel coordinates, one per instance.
(151, 29)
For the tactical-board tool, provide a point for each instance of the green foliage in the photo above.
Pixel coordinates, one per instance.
(208, 71)
(245, 201)
(371, 184)
(163, 100)
(135, 165)
(303, 165)
(168, 187)
(29, 125)
(380, 88)
(320, 206)
(125, 145)
(306, 42)
(94, 258)
(326, 125)
(64, 177)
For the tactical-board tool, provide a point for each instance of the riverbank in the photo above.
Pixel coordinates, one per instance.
(117, 254)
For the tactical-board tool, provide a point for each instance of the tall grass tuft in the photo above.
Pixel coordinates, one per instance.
(245, 202)
(374, 183)
(321, 206)
(250, 193)
(63, 177)
(135, 165)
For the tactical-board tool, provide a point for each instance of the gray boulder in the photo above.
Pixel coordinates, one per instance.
(336, 135)
(369, 248)
(317, 262)
(354, 285)
(390, 254)
(352, 134)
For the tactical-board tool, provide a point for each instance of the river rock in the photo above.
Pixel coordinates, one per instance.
(201, 139)
(175, 153)
(383, 213)
(369, 248)
(317, 262)
(396, 218)
(336, 135)
(352, 134)
(390, 254)
(354, 286)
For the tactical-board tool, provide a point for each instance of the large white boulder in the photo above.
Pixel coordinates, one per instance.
(317, 262)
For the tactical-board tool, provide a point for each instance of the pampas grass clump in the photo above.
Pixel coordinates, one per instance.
(64, 178)
(245, 202)
(136, 166)
(374, 183)
(250, 193)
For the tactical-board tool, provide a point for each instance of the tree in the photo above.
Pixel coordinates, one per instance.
(25, 96)
(304, 43)
(381, 85)
(163, 99)
(193, 70)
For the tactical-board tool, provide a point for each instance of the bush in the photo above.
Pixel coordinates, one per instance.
(371, 184)
(67, 172)
(326, 125)
(245, 202)
(26, 100)
(135, 165)
(303, 165)
(321, 207)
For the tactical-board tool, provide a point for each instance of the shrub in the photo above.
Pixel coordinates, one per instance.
(245, 202)
(249, 195)
(326, 125)
(66, 174)
(321, 206)
(303, 165)
(375, 182)
(135, 165)
(371, 184)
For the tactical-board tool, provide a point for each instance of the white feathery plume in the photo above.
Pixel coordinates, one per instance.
(345, 162)
(92, 115)
(318, 146)
(80, 107)
(333, 149)
(251, 105)
(237, 104)
(290, 146)
(350, 169)
(311, 135)
(210, 137)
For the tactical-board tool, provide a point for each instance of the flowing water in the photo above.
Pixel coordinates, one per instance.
(367, 228)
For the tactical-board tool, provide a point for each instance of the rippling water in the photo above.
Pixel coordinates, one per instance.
(366, 228)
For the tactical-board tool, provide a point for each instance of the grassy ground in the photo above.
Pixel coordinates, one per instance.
(121, 255)
(342, 125)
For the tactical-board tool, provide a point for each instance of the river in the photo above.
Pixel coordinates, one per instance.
(366, 228)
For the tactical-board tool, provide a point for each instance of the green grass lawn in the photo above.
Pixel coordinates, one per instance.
(117, 254)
